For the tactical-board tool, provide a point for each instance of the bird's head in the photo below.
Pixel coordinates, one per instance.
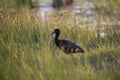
(56, 31)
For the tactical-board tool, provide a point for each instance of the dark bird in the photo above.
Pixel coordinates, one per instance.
(65, 45)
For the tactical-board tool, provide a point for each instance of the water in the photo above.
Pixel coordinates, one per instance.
(84, 13)
(44, 11)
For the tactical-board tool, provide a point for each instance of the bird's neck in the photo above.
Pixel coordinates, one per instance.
(56, 36)
(56, 39)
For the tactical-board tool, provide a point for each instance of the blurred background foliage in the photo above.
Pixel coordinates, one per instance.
(15, 3)
(24, 54)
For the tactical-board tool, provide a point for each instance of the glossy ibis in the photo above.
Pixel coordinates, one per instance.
(65, 45)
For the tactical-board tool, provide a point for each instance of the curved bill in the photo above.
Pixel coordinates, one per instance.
(51, 34)
(47, 38)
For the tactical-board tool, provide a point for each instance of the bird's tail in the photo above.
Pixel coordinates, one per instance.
(82, 51)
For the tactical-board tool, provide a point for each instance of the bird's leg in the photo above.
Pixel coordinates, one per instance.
(72, 55)
(72, 58)
(74, 61)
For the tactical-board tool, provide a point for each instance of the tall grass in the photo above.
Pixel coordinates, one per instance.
(27, 54)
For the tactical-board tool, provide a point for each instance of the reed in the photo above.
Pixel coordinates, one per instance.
(27, 54)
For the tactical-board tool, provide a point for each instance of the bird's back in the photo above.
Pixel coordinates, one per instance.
(69, 47)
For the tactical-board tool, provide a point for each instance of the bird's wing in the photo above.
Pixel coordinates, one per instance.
(68, 47)
(69, 44)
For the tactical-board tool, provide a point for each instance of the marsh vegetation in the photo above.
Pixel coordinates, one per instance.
(27, 54)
